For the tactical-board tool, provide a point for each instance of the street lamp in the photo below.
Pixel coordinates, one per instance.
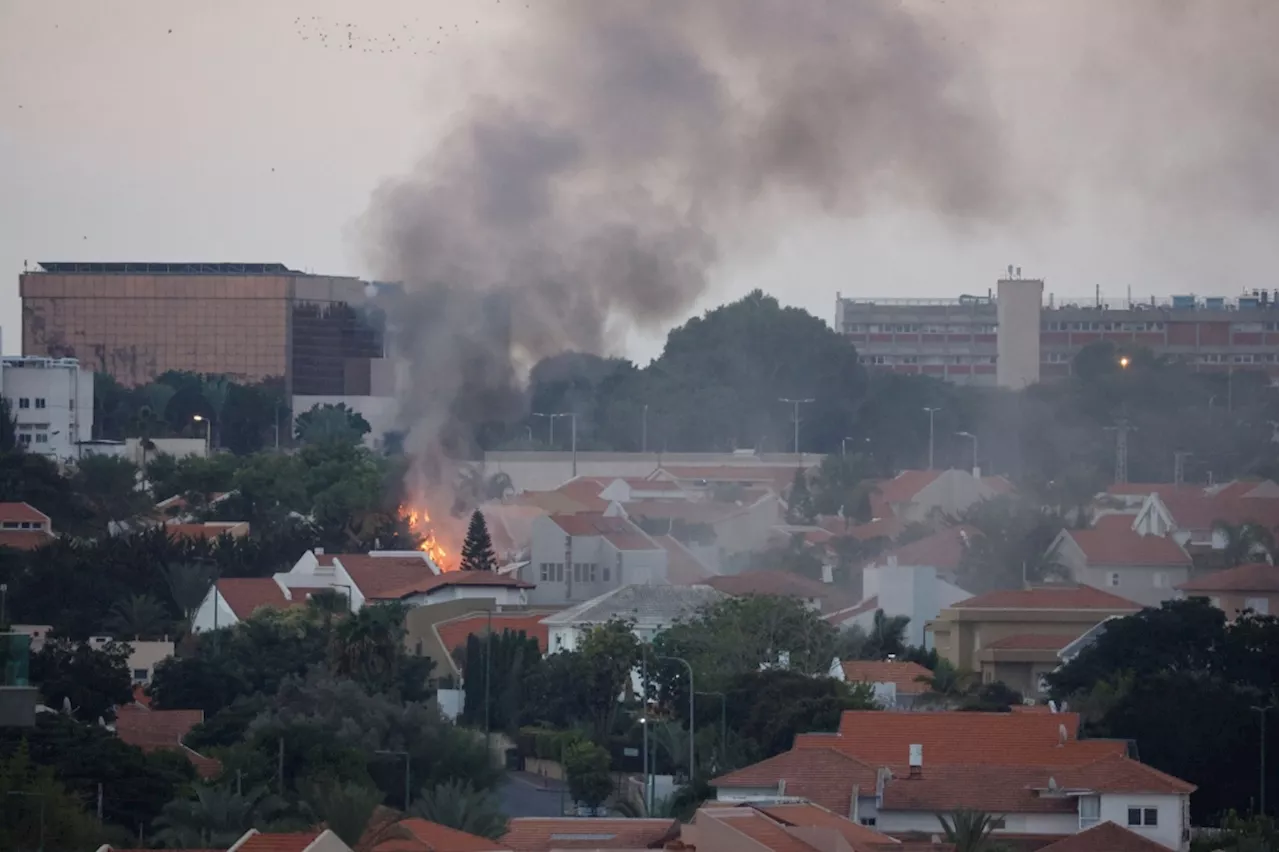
(724, 728)
(200, 418)
(796, 421)
(405, 755)
(551, 427)
(551, 433)
(1124, 362)
(932, 411)
(973, 438)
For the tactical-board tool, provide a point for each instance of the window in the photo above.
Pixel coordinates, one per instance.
(24, 438)
(40, 403)
(139, 675)
(23, 402)
(1158, 580)
(1135, 816)
(997, 822)
(42, 438)
(1113, 579)
(1090, 811)
(1143, 816)
(591, 572)
(604, 574)
(1258, 605)
(867, 821)
(558, 572)
(417, 648)
(544, 571)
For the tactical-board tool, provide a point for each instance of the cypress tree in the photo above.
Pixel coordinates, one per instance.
(477, 550)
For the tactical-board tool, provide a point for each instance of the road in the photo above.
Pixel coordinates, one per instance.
(527, 795)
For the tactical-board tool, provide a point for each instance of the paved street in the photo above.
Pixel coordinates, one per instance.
(526, 795)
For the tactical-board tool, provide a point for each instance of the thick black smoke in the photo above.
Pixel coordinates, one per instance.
(636, 137)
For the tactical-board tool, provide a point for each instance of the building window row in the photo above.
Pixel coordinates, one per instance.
(891, 360)
(551, 572)
(916, 328)
(1253, 326)
(1236, 358)
(586, 572)
(1058, 325)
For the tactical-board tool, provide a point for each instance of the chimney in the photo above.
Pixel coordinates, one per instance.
(826, 574)
(915, 760)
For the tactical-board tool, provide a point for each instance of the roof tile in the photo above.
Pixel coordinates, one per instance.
(278, 842)
(822, 775)
(454, 632)
(1254, 577)
(903, 674)
(943, 549)
(245, 595)
(783, 584)
(388, 577)
(20, 512)
(1106, 837)
(992, 789)
(1110, 545)
(1119, 774)
(1194, 512)
(434, 837)
(541, 834)
(1049, 597)
(810, 815)
(25, 539)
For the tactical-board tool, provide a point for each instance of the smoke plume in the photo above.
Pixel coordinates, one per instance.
(637, 135)
(632, 143)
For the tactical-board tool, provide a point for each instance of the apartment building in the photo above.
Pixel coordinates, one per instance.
(966, 339)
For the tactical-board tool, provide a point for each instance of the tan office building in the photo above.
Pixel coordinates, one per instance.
(136, 321)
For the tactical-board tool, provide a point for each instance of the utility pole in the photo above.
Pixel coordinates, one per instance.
(796, 421)
(932, 411)
(644, 429)
(1179, 466)
(1122, 430)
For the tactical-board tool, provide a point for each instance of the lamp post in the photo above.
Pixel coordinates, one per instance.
(551, 427)
(405, 755)
(1262, 755)
(796, 420)
(724, 727)
(685, 663)
(200, 418)
(932, 411)
(973, 438)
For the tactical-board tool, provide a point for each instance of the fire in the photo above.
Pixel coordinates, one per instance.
(419, 522)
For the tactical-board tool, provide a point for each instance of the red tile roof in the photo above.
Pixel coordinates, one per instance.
(778, 476)
(292, 842)
(683, 568)
(1031, 642)
(901, 489)
(20, 512)
(943, 549)
(992, 789)
(1049, 597)
(1106, 837)
(245, 595)
(388, 577)
(1118, 774)
(822, 775)
(540, 834)
(585, 493)
(1108, 545)
(901, 673)
(202, 532)
(454, 633)
(25, 539)
(759, 832)
(593, 524)
(688, 511)
(208, 768)
(636, 540)
(842, 616)
(882, 738)
(815, 816)
(1254, 577)
(782, 584)
(490, 579)
(1203, 513)
(433, 837)
(145, 728)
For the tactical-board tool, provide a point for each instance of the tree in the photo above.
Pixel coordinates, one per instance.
(216, 390)
(494, 669)
(1245, 543)
(326, 424)
(947, 684)
(345, 809)
(93, 680)
(38, 812)
(843, 486)
(188, 584)
(109, 485)
(768, 708)
(800, 507)
(477, 550)
(886, 638)
(457, 804)
(586, 767)
(215, 816)
(969, 830)
(367, 646)
(8, 428)
(137, 617)
(1013, 545)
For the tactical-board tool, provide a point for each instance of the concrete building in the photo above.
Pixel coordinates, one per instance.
(650, 609)
(963, 339)
(24, 527)
(250, 321)
(1116, 556)
(51, 400)
(1245, 588)
(915, 591)
(579, 557)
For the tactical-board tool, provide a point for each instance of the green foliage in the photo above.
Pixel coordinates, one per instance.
(800, 505)
(586, 767)
(109, 487)
(499, 663)
(581, 688)
(843, 485)
(768, 708)
(93, 680)
(1014, 541)
(1239, 834)
(331, 424)
(345, 809)
(138, 617)
(477, 549)
(367, 646)
(35, 807)
(887, 637)
(216, 816)
(458, 804)
(8, 428)
(969, 831)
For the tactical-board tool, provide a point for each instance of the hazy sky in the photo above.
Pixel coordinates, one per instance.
(246, 130)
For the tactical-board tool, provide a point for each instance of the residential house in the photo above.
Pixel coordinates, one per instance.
(734, 479)
(24, 527)
(1117, 555)
(916, 580)
(989, 633)
(144, 655)
(1105, 837)
(234, 599)
(895, 771)
(545, 834)
(714, 530)
(896, 684)
(1236, 590)
(420, 835)
(650, 608)
(918, 495)
(303, 841)
(787, 825)
(439, 630)
(825, 598)
(207, 530)
(164, 730)
(1193, 520)
(578, 557)
(684, 568)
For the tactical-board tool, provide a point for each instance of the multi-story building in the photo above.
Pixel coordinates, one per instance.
(254, 321)
(994, 339)
(51, 403)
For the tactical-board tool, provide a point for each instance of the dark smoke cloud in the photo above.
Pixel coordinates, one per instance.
(640, 133)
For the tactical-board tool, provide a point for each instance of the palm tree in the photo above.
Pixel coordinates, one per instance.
(366, 646)
(137, 617)
(947, 684)
(1245, 543)
(459, 805)
(215, 817)
(188, 584)
(348, 811)
(970, 831)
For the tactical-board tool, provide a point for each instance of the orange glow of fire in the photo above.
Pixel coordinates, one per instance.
(419, 522)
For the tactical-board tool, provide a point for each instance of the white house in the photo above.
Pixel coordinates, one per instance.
(650, 608)
(915, 591)
(51, 402)
(575, 558)
(1117, 556)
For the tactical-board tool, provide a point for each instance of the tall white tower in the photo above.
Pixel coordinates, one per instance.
(1018, 330)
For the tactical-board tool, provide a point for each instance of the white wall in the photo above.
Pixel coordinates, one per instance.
(911, 590)
(1018, 823)
(1018, 332)
(501, 596)
(542, 471)
(1168, 831)
(1146, 586)
(143, 657)
(58, 396)
(213, 613)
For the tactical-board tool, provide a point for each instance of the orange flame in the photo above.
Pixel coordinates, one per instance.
(419, 522)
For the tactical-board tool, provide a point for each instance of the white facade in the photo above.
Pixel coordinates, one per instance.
(573, 568)
(1173, 816)
(1017, 823)
(911, 590)
(132, 449)
(1018, 332)
(537, 470)
(51, 401)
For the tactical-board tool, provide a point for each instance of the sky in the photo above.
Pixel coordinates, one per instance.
(242, 130)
